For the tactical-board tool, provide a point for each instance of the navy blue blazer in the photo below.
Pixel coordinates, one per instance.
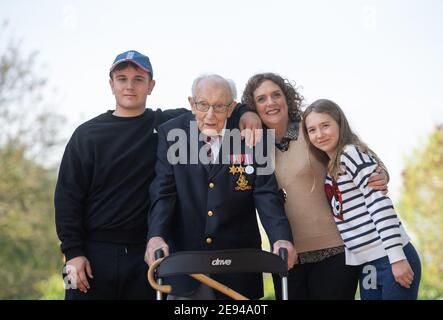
(213, 207)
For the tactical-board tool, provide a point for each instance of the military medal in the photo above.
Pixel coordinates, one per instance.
(243, 166)
(242, 184)
(236, 158)
(240, 169)
(249, 169)
(248, 161)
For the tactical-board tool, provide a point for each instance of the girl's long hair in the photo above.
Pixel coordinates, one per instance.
(346, 135)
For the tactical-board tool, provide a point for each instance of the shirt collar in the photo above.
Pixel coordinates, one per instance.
(291, 134)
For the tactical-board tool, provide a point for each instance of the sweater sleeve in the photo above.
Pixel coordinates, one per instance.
(359, 167)
(162, 192)
(240, 109)
(169, 114)
(69, 199)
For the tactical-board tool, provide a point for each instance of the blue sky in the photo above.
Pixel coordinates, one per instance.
(381, 61)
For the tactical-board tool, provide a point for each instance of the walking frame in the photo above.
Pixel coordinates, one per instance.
(198, 263)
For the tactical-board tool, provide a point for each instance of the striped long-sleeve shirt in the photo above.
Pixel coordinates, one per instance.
(366, 219)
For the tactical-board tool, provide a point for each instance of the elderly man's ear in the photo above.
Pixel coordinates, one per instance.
(191, 102)
(231, 108)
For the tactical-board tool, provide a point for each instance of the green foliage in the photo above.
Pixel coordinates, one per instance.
(28, 245)
(51, 289)
(421, 204)
(24, 115)
(29, 251)
(268, 287)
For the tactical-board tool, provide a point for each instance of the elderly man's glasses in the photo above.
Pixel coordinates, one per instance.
(218, 108)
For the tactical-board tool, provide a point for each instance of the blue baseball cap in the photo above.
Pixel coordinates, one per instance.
(133, 56)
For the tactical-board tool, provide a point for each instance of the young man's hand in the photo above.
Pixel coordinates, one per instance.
(78, 269)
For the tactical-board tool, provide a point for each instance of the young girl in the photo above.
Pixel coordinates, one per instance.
(373, 235)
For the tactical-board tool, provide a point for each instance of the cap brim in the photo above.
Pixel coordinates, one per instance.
(129, 60)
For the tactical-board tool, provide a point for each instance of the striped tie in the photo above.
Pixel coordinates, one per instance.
(208, 148)
(209, 141)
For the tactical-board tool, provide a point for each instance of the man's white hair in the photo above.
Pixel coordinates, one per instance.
(230, 84)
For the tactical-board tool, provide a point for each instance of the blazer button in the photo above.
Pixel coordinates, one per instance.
(210, 213)
(208, 240)
(211, 185)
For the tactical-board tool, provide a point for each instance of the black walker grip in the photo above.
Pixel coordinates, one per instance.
(283, 253)
(159, 254)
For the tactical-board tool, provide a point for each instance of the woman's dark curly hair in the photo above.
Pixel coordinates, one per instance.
(293, 98)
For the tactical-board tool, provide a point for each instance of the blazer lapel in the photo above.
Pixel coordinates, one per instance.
(200, 143)
(223, 158)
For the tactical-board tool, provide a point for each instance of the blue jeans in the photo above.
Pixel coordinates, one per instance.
(386, 288)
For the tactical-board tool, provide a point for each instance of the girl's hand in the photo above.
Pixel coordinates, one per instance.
(403, 273)
(378, 181)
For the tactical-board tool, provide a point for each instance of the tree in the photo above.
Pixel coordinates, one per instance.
(24, 115)
(28, 245)
(421, 204)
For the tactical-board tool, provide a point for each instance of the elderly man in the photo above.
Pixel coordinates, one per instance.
(208, 205)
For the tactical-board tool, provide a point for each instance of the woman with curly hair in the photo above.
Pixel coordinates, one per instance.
(320, 272)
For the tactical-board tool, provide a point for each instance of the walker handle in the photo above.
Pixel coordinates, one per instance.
(159, 254)
(283, 253)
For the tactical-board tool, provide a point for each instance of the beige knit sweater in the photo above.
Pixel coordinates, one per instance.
(309, 214)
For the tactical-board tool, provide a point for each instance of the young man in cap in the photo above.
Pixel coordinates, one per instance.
(102, 199)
